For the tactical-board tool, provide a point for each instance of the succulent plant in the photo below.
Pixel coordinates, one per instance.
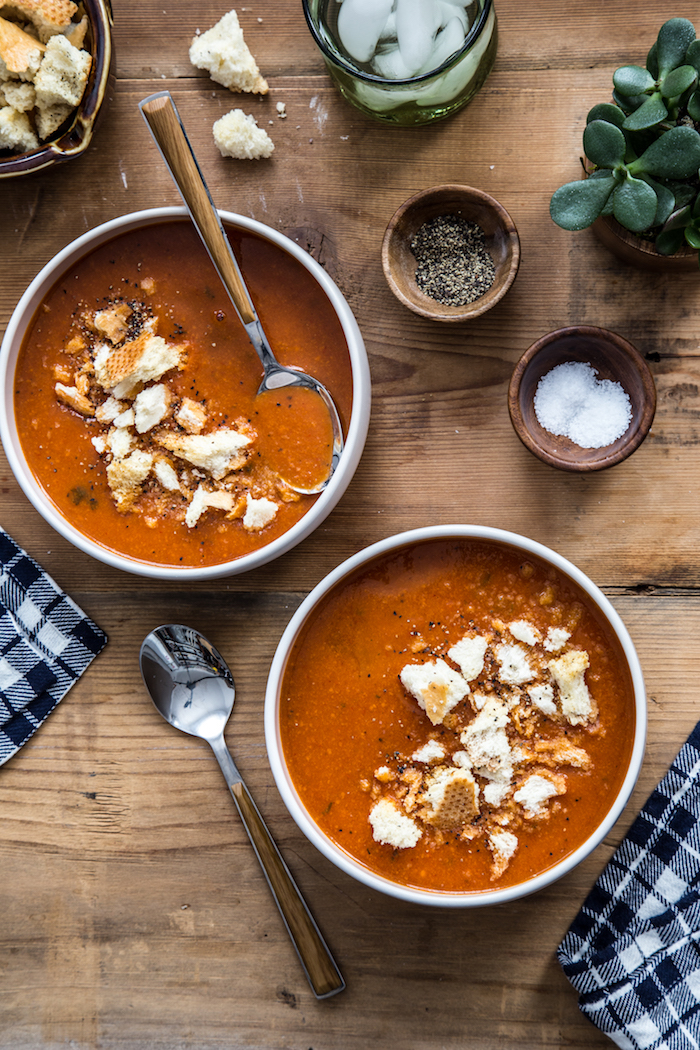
(643, 148)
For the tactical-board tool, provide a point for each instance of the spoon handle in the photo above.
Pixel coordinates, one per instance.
(167, 129)
(323, 974)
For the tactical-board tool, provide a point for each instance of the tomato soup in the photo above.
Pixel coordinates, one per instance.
(136, 400)
(457, 715)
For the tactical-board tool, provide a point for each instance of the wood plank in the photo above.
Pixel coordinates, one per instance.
(134, 913)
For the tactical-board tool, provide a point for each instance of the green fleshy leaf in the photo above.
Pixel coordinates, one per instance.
(694, 106)
(679, 80)
(675, 155)
(674, 39)
(669, 241)
(692, 236)
(665, 202)
(652, 111)
(578, 204)
(634, 205)
(633, 80)
(604, 144)
(606, 111)
(692, 55)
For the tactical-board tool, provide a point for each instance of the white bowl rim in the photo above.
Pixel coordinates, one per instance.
(357, 426)
(342, 859)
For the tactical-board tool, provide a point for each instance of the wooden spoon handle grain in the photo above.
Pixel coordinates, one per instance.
(166, 127)
(323, 974)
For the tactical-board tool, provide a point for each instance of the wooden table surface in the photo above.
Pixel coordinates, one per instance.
(133, 913)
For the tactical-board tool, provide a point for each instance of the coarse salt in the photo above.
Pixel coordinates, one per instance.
(573, 402)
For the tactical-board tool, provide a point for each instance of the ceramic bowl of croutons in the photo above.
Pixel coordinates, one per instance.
(456, 716)
(56, 66)
(131, 413)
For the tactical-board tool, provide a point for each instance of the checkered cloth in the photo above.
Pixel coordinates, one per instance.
(633, 951)
(46, 642)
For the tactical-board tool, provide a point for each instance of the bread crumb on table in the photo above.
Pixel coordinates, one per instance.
(224, 54)
(238, 135)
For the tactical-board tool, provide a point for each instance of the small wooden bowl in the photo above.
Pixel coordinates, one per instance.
(400, 264)
(613, 358)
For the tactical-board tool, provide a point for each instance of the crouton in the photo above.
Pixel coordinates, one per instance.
(151, 407)
(16, 131)
(125, 477)
(577, 704)
(436, 687)
(49, 118)
(204, 498)
(515, 666)
(121, 370)
(113, 322)
(48, 16)
(239, 136)
(391, 827)
(451, 798)
(259, 513)
(218, 453)
(73, 398)
(503, 845)
(536, 792)
(19, 94)
(62, 75)
(20, 53)
(166, 474)
(224, 54)
(432, 751)
(191, 415)
(469, 654)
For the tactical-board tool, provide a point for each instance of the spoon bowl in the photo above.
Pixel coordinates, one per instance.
(193, 689)
(168, 131)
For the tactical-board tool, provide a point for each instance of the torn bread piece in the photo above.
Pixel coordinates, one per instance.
(391, 826)
(451, 798)
(436, 687)
(224, 54)
(15, 131)
(48, 16)
(259, 513)
(121, 370)
(577, 704)
(503, 845)
(20, 53)
(219, 453)
(62, 75)
(125, 477)
(204, 498)
(113, 322)
(237, 135)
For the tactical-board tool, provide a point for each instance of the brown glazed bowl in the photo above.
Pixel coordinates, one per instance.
(613, 358)
(73, 137)
(399, 262)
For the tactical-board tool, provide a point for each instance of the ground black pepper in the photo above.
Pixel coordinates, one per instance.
(454, 266)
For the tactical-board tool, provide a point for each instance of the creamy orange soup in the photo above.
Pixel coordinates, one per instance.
(136, 397)
(458, 716)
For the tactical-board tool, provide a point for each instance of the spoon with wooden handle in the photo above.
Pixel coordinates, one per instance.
(164, 121)
(193, 689)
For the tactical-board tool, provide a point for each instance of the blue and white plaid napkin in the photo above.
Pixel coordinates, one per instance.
(633, 951)
(46, 642)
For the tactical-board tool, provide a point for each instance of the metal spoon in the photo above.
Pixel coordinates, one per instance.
(164, 121)
(192, 688)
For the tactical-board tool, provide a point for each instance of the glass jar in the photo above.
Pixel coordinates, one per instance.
(417, 99)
